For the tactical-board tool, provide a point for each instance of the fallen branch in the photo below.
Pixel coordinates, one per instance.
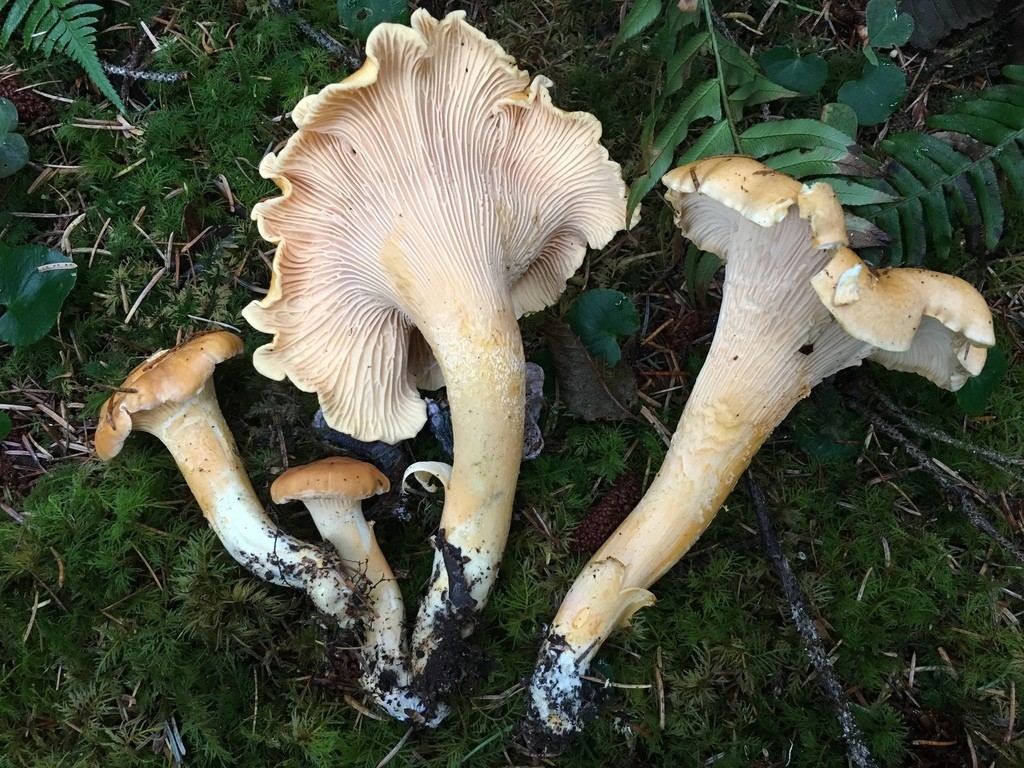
(945, 481)
(856, 747)
(1001, 460)
(318, 36)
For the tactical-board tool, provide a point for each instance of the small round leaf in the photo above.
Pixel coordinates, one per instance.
(13, 154)
(34, 281)
(887, 27)
(876, 94)
(806, 74)
(8, 115)
(599, 317)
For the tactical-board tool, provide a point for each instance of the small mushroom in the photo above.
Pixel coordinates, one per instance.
(171, 396)
(797, 306)
(333, 490)
(429, 200)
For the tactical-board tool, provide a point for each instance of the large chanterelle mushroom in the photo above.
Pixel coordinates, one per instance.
(797, 306)
(434, 196)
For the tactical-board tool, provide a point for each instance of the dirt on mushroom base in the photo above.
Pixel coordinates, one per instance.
(585, 701)
(454, 662)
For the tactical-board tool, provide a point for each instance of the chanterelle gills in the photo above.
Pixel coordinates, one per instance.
(797, 306)
(428, 200)
(171, 396)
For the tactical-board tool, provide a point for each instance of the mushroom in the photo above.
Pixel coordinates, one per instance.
(171, 396)
(333, 489)
(429, 200)
(797, 306)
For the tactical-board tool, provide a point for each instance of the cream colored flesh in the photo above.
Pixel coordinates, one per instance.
(198, 438)
(481, 358)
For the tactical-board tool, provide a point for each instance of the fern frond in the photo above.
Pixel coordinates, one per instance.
(931, 186)
(64, 26)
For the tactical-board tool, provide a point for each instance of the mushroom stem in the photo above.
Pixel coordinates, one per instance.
(481, 358)
(385, 650)
(712, 446)
(797, 307)
(198, 438)
(171, 396)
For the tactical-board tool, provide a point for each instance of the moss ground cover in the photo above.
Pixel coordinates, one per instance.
(127, 634)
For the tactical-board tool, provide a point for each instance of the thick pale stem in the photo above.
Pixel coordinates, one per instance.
(198, 438)
(385, 654)
(480, 353)
(764, 358)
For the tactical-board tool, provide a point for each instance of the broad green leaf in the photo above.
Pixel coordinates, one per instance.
(361, 16)
(974, 395)
(8, 116)
(805, 74)
(34, 281)
(640, 16)
(13, 153)
(985, 129)
(876, 94)
(757, 91)
(820, 161)
(737, 67)
(599, 317)
(5, 425)
(680, 61)
(887, 27)
(911, 212)
(841, 117)
(701, 102)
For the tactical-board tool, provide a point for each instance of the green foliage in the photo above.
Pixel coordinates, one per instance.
(13, 147)
(882, 85)
(805, 74)
(887, 26)
(600, 316)
(975, 394)
(64, 26)
(876, 94)
(361, 16)
(154, 628)
(34, 281)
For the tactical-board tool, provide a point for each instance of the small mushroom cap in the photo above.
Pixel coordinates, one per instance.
(436, 171)
(167, 376)
(926, 322)
(336, 477)
(737, 185)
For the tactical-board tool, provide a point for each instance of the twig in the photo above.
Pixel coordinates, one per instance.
(141, 74)
(967, 504)
(856, 747)
(1001, 460)
(321, 38)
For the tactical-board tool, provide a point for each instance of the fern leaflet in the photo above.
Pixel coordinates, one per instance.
(64, 26)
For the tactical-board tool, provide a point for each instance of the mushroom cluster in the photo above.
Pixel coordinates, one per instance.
(797, 306)
(427, 202)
